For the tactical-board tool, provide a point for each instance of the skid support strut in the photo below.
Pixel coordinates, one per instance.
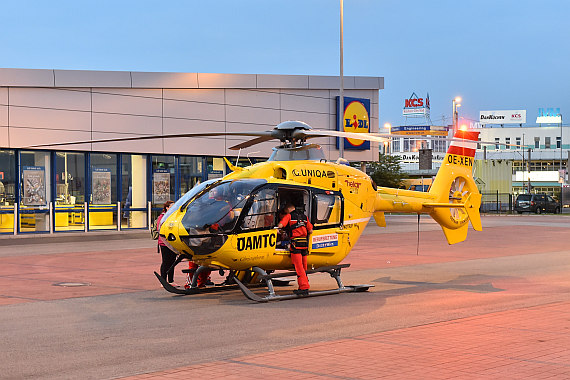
(334, 272)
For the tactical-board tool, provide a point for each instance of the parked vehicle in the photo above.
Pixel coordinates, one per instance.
(537, 203)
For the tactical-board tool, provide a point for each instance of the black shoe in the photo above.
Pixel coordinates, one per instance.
(301, 292)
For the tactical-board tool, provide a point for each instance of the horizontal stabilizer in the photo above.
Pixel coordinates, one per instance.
(472, 205)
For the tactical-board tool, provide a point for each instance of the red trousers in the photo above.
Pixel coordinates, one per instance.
(300, 263)
(202, 277)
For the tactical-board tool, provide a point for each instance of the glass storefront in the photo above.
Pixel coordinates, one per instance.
(134, 208)
(35, 191)
(103, 212)
(163, 171)
(63, 191)
(69, 191)
(7, 190)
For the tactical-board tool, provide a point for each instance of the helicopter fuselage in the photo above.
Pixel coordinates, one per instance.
(338, 199)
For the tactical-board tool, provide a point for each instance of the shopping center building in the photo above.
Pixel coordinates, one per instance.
(122, 185)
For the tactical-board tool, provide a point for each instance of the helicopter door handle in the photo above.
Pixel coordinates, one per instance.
(339, 231)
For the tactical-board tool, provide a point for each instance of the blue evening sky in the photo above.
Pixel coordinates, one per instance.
(495, 54)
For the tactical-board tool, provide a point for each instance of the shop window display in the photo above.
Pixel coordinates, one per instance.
(133, 191)
(35, 191)
(70, 191)
(103, 194)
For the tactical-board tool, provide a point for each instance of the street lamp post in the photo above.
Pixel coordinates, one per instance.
(455, 103)
(341, 92)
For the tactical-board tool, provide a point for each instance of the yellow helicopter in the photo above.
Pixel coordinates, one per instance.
(229, 224)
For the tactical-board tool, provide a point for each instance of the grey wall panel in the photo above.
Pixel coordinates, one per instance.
(4, 140)
(302, 102)
(141, 146)
(3, 96)
(241, 127)
(51, 98)
(315, 120)
(177, 126)
(84, 78)
(50, 119)
(252, 98)
(137, 125)
(193, 110)
(227, 80)
(316, 93)
(164, 80)
(282, 81)
(147, 102)
(236, 114)
(366, 83)
(26, 78)
(325, 82)
(26, 137)
(207, 146)
(3, 115)
(200, 96)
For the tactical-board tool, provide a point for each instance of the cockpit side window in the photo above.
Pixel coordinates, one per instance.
(328, 210)
(262, 211)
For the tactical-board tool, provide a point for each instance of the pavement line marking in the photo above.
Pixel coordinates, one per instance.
(290, 370)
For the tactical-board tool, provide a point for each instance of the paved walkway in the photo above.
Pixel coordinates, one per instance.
(530, 343)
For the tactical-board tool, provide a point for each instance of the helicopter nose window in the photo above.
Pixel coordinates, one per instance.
(216, 210)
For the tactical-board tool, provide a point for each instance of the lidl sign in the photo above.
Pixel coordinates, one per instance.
(356, 119)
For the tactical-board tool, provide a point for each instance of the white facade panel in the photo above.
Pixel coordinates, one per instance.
(3, 96)
(366, 83)
(50, 119)
(215, 96)
(26, 78)
(164, 80)
(4, 137)
(194, 110)
(54, 98)
(80, 78)
(141, 102)
(315, 120)
(3, 115)
(305, 102)
(21, 137)
(325, 82)
(206, 146)
(138, 125)
(282, 81)
(227, 80)
(138, 146)
(178, 126)
(237, 114)
(252, 98)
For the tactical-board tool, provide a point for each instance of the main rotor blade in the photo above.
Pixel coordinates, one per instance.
(266, 134)
(249, 143)
(351, 135)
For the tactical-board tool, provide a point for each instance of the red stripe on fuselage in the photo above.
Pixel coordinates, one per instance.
(461, 151)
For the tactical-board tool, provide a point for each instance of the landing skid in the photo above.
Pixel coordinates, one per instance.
(209, 289)
(334, 272)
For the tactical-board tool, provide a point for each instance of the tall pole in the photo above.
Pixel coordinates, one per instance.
(341, 95)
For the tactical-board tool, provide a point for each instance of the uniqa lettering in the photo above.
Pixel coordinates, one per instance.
(312, 173)
(256, 242)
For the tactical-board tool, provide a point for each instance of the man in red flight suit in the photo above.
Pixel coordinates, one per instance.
(299, 230)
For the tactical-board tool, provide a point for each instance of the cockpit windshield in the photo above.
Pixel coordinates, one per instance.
(186, 197)
(216, 210)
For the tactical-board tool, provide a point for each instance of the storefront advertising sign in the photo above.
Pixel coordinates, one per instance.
(34, 185)
(161, 186)
(502, 117)
(356, 116)
(101, 186)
